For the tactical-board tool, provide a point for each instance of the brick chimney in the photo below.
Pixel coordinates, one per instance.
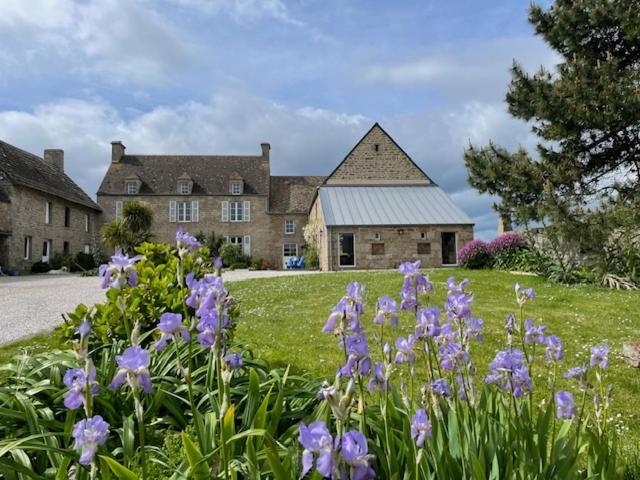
(54, 157)
(265, 151)
(117, 151)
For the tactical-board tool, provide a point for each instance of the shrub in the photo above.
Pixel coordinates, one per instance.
(508, 241)
(40, 267)
(312, 259)
(231, 254)
(474, 255)
(85, 261)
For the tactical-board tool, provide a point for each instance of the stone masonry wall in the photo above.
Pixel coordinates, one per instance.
(387, 165)
(398, 247)
(28, 219)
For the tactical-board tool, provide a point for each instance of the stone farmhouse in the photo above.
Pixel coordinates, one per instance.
(42, 211)
(375, 210)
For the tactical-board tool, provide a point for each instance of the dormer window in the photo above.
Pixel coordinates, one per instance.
(132, 188)
(236, 188)
(184, 188)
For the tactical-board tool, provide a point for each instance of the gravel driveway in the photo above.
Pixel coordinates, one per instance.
(34, 304)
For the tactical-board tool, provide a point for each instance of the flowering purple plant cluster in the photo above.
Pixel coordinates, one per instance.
(474, 254)
(507, 241)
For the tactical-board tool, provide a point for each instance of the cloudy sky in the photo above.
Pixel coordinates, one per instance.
(308, 76)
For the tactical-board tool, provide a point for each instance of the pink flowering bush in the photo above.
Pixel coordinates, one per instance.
(508, 241)
(475, 254)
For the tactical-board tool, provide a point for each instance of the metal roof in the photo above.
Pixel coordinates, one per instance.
(389, 205)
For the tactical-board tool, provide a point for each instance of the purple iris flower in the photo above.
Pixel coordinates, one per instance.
(600, 356)
(343, 310)
(509, 371)
(76, 381)
(453, 287)
(185, 242)
(405, 352)
(89, 434)
(464, 387)
(208, 328)
(354, 450)
(387, 309)
(355, 293)
(523, 294)
(378, 381)
(458, 305)
(84, 329)
(428, 324)
(120, 271)
(171, 327)
(318, 444)
(206, 293)
(420, 427)
(441, 387)
(554, 350)
(453, 357)
(409, 268)
(473, 329)
(358, 359)
(217, 264)
(134, 369)
(233, 361)
(565, 406)
(576, 372)
(533, 333)
(414, 284)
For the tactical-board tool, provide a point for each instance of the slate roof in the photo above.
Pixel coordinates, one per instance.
(293, 194)
(29, 170)
(389, 205)
(210, 174)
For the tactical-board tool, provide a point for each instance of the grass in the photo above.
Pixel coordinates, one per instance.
(282, 319)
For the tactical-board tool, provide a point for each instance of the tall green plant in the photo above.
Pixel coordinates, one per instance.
(130, 231)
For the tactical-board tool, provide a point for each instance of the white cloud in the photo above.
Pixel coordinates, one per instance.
(244, 10)
(118, 40)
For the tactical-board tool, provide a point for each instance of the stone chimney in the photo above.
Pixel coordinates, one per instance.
(265, 151)
(504, 224)
(55, 158)
(117, 151)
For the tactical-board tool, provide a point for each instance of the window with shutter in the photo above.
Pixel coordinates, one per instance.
(246, 211)
(172, 211)
(195, 211)
(118, 209)
(224, 211)
(246, 246)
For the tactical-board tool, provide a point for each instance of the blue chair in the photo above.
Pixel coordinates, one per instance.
(300, 262)
(292, 263)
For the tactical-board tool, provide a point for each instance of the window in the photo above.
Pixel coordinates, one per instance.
(237, 213)
(424, 248)
(184, 212)
(423, 235)
(65, 247)
(67, 217)
(86, 222)
(289, 227)
(376, 236)
(118, 209)
(27, 248)
(87, 249)
(236, 188)
(48, 211)
(346, 250)
(290, 250)
(184, 188)
(376, 147)
(132, 188)
(377, 249)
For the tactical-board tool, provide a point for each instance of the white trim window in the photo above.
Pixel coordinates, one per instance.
(184, 212)
(289, 227)
(27, 248)
(236, 188)
(132, 188)
(236, 213)
(118, 209)
(184, 188)
(86, 222)
(48, 208)
(289, 250)
(87, 249)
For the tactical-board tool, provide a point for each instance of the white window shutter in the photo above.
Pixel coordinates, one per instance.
(195, 210)
(246, 211)
(118, 209)
(224, 213)
(172, 211)
(227, 239)
(246, 245)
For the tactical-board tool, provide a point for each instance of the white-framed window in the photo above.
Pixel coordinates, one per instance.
(86, 222)
(289, 227)
(184, 211)
(289, 249)
(119, 209)
(87, 248)
(236, 188)
(236, 212)
(48, 210)
(27, 248)
(376, 236)
(184, 188)
(244, 242)
(132, 188)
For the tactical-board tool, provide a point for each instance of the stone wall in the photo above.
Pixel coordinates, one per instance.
(400, 245)
(377, 160)
(27, 213)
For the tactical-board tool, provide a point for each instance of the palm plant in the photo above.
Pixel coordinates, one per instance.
(133, 229)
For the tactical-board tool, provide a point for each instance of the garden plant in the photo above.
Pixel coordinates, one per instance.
(157, 386)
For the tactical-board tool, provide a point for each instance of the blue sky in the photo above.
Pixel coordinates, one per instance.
(308, 76)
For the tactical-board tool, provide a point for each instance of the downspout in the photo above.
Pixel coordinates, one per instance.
(330, 240)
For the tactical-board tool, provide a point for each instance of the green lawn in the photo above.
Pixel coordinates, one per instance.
(282, 319)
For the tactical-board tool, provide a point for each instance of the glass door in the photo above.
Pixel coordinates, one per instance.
(449, 251)
(346, 242)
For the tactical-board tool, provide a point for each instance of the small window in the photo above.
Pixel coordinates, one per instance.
(67, 217)
(132, 188)
(86, 222)
(87, 249)
(184, 212)
(65, 247)
(424, 248)
(184, 188)
(290, 250)
(236, 211)
(376, 147)
(289, 227)
(48, 211)
(377, 249)
(236, 188)
(234, 240)
(376, 236)
(423, 235)
(27, 248)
